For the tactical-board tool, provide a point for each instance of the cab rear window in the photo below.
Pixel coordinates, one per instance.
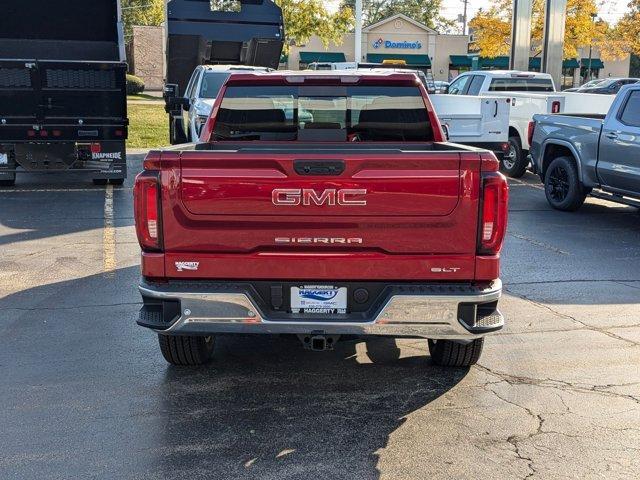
(321, 113)
(521, 85)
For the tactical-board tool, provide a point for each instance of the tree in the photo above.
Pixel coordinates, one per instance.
(305, 18)
(492, 28)
(141, 12)
(302, 18)
(423, 11)
(624, 38)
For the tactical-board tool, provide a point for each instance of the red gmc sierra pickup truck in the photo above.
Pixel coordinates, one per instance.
(321, 204)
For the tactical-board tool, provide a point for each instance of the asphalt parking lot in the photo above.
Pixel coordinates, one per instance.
(85, 392)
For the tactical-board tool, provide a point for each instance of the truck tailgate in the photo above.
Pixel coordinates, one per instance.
(241, 185)
(59, 93)
(387, 215)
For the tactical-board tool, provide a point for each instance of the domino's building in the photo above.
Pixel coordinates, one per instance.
(398, 37)
(402, 38)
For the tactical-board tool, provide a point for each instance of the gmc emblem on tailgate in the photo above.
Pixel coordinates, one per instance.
(308, 196)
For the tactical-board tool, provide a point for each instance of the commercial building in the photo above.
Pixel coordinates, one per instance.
(398, 37)
(402, 38)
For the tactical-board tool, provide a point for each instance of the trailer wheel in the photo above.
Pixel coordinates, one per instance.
(448, 353)
(7, 183)
(186, 350)
(562, 185)
(514, 163)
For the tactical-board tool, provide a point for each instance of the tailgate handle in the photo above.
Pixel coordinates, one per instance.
(319, 167)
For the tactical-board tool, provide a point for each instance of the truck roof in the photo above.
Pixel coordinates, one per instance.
(511, 73)
(342, 76)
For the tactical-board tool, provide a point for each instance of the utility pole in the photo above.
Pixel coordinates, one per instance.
(358, 35)
(588, 76)
(520, 35)
(553, 39)
(464, 17)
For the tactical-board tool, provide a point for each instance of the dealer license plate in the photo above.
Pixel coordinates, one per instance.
(324, 299)
(4, 159)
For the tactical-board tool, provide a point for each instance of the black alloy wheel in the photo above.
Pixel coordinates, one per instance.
(558, 183)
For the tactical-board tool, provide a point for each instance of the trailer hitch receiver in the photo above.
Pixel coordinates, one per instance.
(319, 342)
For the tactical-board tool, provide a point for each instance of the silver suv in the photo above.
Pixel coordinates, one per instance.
(201, 93)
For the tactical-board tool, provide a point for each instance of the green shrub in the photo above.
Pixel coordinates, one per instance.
(135, 85)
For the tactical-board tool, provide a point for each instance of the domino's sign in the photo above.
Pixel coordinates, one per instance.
(380, 42)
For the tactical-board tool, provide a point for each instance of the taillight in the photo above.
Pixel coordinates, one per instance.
(493, 218)
(530, 130)
(555, 107)
(147, 211)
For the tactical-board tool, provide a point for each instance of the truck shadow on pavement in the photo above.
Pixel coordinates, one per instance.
(45, 206)
(263, 408)
(266, 408)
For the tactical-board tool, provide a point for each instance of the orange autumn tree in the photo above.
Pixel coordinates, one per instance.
(624, 38)
(492, 28)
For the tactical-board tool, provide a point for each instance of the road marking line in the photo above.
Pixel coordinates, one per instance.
(517, 182)
(538, 244)
(108, 235)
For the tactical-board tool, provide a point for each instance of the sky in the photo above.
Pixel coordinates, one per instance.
(610, 10)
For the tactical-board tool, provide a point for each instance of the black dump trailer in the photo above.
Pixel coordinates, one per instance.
(216, 32)
(63, 99)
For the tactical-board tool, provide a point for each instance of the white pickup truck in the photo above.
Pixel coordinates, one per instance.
(530, 93)
(481, 122)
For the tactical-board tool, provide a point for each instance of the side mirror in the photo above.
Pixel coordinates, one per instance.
(186, 104)
(445, 129)
(445, 89)
(170, 91)
(170, 94)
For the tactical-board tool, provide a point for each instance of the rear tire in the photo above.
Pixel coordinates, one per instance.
(7, 183)
(186, 350)
(116, 181)
(448, 353)
(514, 163)
(99, 181)
(562, 185)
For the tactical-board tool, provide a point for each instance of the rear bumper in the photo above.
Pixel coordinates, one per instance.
(109, 162)
(438, 311)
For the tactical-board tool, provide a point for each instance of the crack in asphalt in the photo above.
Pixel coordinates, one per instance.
(537, 243)
(562, 385)
(630, 286)
(560, 330)
(38, 309)
(591, 280)
(580, 322)
(516, 441)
